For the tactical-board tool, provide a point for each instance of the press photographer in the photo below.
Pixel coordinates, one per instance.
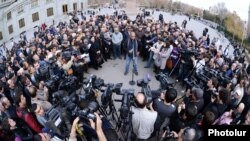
(165, 105)
(142, 115)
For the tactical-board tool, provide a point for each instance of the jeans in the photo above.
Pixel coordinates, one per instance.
(116, 51)
(150, 59)
(135, 63)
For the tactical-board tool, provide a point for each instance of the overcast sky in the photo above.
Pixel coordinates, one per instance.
(240, 6)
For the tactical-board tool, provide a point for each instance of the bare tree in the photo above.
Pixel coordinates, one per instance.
(221, 10)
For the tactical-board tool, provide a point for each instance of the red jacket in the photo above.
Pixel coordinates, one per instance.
(29, 119)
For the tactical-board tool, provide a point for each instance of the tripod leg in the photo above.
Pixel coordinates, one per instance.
(174, 67)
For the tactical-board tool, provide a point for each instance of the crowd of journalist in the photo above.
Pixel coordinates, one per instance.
(43, 79)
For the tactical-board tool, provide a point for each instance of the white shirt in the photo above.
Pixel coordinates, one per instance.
(143, 121)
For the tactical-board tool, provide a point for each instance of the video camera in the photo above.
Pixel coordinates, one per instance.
(106, 97)
(190, 52)
(191, 82)
(52, 83)
(217, 74)
(145, 88)
(64, 100)
(88, 112)
(165, 81)
(93, 82)
(127, 101)
(69, 83)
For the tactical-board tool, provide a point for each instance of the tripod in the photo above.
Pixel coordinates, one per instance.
(132, 82)
(194, 68)
(125, 126)
(177, 63)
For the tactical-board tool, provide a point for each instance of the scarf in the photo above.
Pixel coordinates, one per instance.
(132, 44)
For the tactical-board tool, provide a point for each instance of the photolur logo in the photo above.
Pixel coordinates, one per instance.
(227, 133)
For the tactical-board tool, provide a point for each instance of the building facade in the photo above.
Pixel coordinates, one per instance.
(22, 15)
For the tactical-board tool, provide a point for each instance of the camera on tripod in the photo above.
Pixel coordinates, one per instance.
(69, 83)
(145, 88)
(52, 83)
(165, 81)
(88, 112)
(143, 82)
(127, 101)
(191, 82)
(93, 82)
(190, 52)
(106, 97)
(64, 100)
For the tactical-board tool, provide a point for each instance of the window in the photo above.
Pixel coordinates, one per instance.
(21, 23)
(35, 17)
(1, 36)
(50, 12)
(10, 28)
(81, 5)
(9, 16)
(65, 9)
(75, 6)
(34, 3)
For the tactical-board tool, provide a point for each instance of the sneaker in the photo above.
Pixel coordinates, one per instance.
(146, 66)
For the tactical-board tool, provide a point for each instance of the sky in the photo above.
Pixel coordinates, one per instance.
(240, 6)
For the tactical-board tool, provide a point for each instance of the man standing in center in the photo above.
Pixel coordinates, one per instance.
(132, 51)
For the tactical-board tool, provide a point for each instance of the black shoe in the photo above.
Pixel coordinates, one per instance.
(96, 68)
(136, 73)
(100, 66)
(146, 67)
(125, 73)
